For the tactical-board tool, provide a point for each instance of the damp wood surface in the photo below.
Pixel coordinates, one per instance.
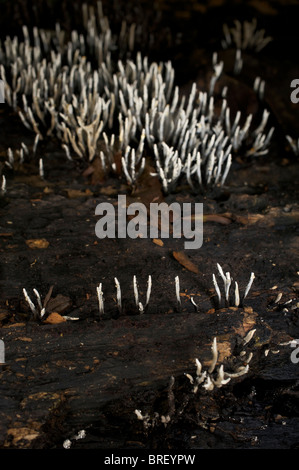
(94, 371)
(93, 376)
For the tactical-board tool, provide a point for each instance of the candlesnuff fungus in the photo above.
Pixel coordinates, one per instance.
(100, 298)
(227, 280)
(208, 380)
(245, 36)
(82, 89)
(39, 311)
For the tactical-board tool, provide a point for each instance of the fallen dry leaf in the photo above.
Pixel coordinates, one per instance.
(13, 325)
(212, 310)
(248, 309)
(183, 259)
(37, 243)
(48, 296)
(249, 321)
(224, 350)
(4, 315)
(73, 193)
(59, 304)
(149, 188)
(221, 219)
(54, 318)
(48, 190)
(96, 171)
(157, 241)
(249, 219)
(216, 218)
(109, 190)
(22, 434)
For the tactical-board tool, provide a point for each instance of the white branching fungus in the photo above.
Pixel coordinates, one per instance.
(100, 298)
(39, 310)
(80, 435)
(190, 378)
(139, 415)
(245, 36)
(146, 419)
(294, 144)
(142, 308)
(41, 168)
(10, 162)
(169, 166)
(129, 165)
(25, 148)
(35, 144)
(218, 68)
(259, 87)
(221, 380)
(118, 294)
(227, 286)
(135, 289)
(67, 444)
(156, 418)
(30, 303)
(67, 151)
(216, 378)
(248, 337)
(237, 295)
(214, 356)
(177, 290)
(227, 280)
(241, 371)
(81, 89)
(250, 356)
(221, 273)
(21, 155)
(208, 384)
(149, 289)
(194, 303)
(3, 185)
(227, 283)
(238, 62)
(248, 287)
(38, 298)
(198, 367)
(68, 317)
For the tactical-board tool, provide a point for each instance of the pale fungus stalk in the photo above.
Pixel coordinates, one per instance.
(100, 298)
(177, 290)
(118, 294)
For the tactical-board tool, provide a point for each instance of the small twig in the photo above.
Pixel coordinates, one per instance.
(177, 291)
